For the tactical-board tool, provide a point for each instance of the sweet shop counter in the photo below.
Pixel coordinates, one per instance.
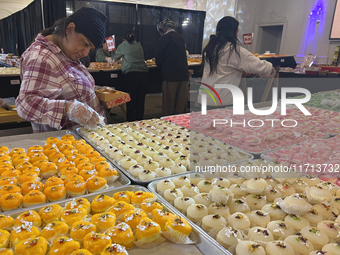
(125, 220)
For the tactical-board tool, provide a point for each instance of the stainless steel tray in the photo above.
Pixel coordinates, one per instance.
(28, 140)
(153, 187)
(135, 180)
(145, 183)
(203, 246)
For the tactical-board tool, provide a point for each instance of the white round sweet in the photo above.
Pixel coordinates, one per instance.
(143, 159)
(331, 248)
(178, 168)
(279, 248)
(146, 175)
(181, 181)
(249, 247)
(238, 205)
(182, 203)
(329, 186)
(317, 237)
(300, 244)
(114, 154)
(258, 218)
(175, 155)
(219, 208)
(163, 185)
(196, 212)
(311, 180)
(280, 229)
(256, 183)
(256, 202)
(213, 221)
(217, 151)
(136, 170)
(203, 198)
(300, 186)
(190, 190)
(206, 162)
(135, 154)
(151, 165)
(272, 195)
(285, 188)
(184, 160)
(229, 236)
(163, 171)
(336, 202)
(205, 186)
(224, 182)
(208, 155)
(166, 162)
(296, 222)
(274, 211)
(313, 217)
(171, 194)
(327, 211)
(237, 191)
(127, 163)
(239, 221)
(121, 157)
(331, 229)
(260, 235)
(220, 194)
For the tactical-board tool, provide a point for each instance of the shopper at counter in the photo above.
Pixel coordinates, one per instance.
(103, 54)
(224, 61)
(57, 92)
(135, 73)
(171, 56)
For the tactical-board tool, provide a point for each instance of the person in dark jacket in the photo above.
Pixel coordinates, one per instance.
(171, 57)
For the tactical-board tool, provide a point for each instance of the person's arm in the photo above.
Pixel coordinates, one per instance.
(253, 65)
(39, 82)
(159, 54)
(119, 53)
(100, 55)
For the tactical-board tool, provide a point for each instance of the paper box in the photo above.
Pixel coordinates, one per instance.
(112, 98)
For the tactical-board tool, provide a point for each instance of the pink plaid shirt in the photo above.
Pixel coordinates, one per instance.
(48, 78)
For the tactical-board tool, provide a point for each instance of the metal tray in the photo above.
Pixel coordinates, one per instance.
(145, 183)
(132, 178)
(153, 187)
(28, 140)
(203, 246)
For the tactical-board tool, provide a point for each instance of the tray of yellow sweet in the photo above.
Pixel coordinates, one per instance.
(269, 215)
(130, 220)
(49, 167)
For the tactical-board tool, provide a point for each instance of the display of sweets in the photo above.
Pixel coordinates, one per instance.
(328, 100)
(260, 215)
(157, 148)
(60, 169)
(107, 225)
(264, 133)
(316, 156)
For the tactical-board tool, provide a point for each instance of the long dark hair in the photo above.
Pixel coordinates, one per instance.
(226, 32)
(129, 36)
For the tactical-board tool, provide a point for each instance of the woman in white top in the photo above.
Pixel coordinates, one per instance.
(224, 61)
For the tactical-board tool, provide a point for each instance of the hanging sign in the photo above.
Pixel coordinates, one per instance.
(111, 44)
(248, 38)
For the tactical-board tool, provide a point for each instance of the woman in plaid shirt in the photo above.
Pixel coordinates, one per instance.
(57, 91)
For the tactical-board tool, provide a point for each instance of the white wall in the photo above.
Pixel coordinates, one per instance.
(303, 35)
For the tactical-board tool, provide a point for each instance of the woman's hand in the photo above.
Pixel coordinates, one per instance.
(109, 60)
(83, 114)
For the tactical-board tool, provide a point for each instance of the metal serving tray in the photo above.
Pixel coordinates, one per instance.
(145, 183)
(28, 140)
(153, 187)
(203, 246)
(116, 164)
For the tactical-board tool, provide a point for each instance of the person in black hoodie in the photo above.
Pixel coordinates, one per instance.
(170, 55)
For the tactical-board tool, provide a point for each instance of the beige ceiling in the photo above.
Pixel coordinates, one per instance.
(8, 7)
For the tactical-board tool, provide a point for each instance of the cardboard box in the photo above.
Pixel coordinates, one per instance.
(112, 98)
